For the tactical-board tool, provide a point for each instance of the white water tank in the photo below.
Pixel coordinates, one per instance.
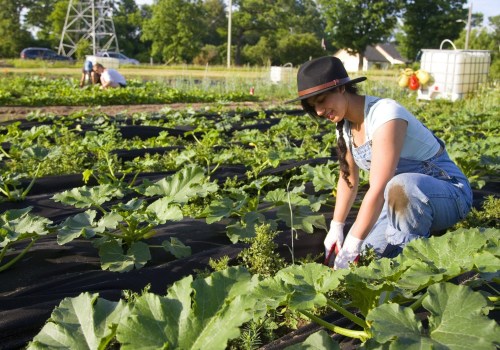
(107, 62)
(282, 73)
(454, 73)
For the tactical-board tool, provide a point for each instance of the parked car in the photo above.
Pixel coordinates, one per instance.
(43, 53)
(121, 57)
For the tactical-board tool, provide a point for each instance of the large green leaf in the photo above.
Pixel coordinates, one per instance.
(366, 285)
(35, 152)
(188, 182)
(240, 231)
(302, 287)
(165, 211)
(456, 321)
(281, 196)
(223, 208)
(453, 251)
(324, 178)
(176, 248)
(86, 197)
(200, 314)
(18, 223)
(114, 259)
(457, 318)
(84, 224)
(440, 258)
(85, 322)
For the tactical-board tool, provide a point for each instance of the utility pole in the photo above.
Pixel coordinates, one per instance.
(469, 20)
(230, 10)
(89, 20)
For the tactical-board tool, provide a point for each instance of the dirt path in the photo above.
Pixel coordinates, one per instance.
(13, 113)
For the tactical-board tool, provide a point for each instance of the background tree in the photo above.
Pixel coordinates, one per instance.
(298, 36)
(55, 24)
(13, 36)
(354, 25)
(298, 48)
(426, 23)
(39, 18)
(128, 20)
(265, 24)
(174, 30)
(214, 20)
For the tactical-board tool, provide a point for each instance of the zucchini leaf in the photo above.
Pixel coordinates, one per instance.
(114, 259)
(456, 321)
(84, 322)
(17, 224)
(86, 197)
(199, 314)
(183, 185)
(176, 248)
(300, 287)
(84, 224)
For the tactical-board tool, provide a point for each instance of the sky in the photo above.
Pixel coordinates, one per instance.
(488, 8)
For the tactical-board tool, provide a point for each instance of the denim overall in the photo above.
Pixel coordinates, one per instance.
(422, 197)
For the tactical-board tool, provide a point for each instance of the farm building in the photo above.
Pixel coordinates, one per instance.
(380, 56)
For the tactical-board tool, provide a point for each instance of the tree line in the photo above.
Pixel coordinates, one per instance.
(263, 32)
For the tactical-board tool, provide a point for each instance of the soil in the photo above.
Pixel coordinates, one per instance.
(14, 112)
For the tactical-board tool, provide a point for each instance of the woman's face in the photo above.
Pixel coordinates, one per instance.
(331, 105)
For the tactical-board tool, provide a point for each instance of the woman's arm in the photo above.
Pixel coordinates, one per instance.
(387, 144)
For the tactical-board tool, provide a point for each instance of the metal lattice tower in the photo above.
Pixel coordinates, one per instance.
(89, 20)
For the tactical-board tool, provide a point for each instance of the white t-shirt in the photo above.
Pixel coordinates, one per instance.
(112, 76)
(419, 142)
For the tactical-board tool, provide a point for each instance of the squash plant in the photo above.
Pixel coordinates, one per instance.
(120, 229)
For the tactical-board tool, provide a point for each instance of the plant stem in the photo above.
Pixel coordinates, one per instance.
(418, 302)
(17, 258)
(6, 192)
(360, 322)
(291, 221)
(26, 191)
(362, 335)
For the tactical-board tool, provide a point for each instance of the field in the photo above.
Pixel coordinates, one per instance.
(192, 216)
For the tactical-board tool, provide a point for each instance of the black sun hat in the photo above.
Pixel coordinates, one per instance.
(321, 74)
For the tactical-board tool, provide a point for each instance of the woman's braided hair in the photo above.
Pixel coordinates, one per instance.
(341, 144)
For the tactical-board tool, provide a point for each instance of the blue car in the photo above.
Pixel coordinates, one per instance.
(42, 53)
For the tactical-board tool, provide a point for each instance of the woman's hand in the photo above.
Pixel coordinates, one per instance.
(349, 252)
(333, 241)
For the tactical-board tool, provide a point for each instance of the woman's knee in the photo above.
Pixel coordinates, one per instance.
(409, 213)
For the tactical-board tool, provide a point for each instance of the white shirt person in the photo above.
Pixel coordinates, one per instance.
(110, 78)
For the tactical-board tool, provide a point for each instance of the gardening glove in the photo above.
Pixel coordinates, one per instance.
(349, 252)
(333, 241)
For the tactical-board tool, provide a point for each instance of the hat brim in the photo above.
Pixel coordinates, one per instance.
(304, 97)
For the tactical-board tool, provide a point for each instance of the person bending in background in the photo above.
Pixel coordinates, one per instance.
(88, 74)
(110, 78)
(414, 187)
